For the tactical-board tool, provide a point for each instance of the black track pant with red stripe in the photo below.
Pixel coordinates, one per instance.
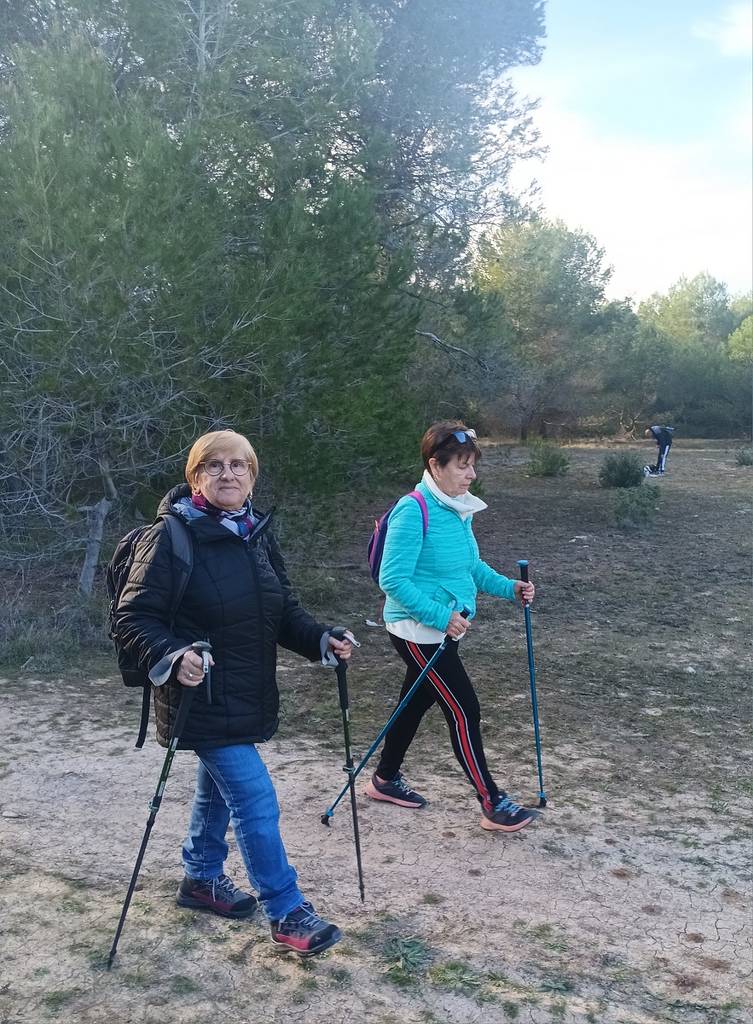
(448, 685)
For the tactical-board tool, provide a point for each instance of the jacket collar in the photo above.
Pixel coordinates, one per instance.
(178, 502)
(465, 505)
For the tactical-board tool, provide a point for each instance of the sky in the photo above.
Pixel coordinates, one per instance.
(645, 108)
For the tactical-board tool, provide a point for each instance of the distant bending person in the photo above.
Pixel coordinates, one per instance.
(663, 438)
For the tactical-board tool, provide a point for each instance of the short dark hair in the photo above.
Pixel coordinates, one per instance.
(439, 442)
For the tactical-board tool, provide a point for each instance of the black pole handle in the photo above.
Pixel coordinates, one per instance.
(202, 648)
(523, 566)
(342, 685)
(339, 633)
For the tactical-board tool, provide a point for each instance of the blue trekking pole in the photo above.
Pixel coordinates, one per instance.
(523, 566)
(353, 773)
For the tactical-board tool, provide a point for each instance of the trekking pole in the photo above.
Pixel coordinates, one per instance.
(325, 818)
(186, 699)
(523, 566)
(342, 688)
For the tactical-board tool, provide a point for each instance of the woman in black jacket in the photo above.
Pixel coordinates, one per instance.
(240, 600)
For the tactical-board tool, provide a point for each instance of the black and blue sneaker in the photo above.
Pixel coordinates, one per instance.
(507, 816)
(394, 791)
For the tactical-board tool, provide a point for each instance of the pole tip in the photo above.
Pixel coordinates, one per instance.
(542, 801)
(325, 818)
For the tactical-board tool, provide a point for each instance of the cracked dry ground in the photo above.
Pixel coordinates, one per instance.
(629, 903)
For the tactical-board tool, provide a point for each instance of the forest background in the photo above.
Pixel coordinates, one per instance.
(295, 219)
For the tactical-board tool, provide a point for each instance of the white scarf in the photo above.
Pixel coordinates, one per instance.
(464, 504)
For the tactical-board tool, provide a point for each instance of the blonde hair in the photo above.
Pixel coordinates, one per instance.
(209, 445)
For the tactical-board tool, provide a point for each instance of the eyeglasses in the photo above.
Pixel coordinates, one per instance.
(461, 436)
(238, 467)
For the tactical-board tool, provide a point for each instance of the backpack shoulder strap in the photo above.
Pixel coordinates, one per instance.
(182, 566)
(182, 559)
(146, 700)
(417, 496)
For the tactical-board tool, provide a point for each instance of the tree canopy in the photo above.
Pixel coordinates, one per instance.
(296, 219)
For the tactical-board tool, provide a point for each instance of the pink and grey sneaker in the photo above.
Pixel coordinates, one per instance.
(218, 895)
(507, 816)
(395, 791)
(302, 931)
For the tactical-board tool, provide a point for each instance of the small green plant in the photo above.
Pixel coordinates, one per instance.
(547, 460)
(549, 936)
(621, 469)
(184, 986)
(560, 983)
(635, 508)
(72, 905)
(455, 977)
(744, 456)
(55, 1000)
(406, 960)
(303, 993)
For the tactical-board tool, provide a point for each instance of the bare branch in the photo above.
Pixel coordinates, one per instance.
(454, 348)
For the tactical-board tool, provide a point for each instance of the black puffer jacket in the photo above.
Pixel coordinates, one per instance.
(240, 599)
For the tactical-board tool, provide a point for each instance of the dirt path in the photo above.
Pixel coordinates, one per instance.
(628, 904)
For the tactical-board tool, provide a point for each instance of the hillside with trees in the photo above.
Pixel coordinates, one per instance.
(296, 219)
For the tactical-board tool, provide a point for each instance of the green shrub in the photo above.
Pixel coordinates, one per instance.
(744, 456)
(621, 469)
(636, 507)
(547, 460)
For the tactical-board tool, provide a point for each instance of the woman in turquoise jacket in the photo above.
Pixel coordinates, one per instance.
(429, 578)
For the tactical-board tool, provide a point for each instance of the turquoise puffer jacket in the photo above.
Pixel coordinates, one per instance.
(428, 578)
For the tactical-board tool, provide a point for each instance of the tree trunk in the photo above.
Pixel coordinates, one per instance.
(97, 516)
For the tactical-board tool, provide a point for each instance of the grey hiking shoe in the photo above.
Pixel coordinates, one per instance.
(218, 895)
(395, 791)
(507, 816)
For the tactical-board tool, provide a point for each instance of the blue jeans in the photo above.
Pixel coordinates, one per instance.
(233, 785)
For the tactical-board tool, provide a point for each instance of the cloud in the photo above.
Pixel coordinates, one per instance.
(660, 210)
(732, 32)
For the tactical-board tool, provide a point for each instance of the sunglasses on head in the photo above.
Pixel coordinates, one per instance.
(461, 436)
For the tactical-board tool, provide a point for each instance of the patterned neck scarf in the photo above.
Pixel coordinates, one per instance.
(240, 521)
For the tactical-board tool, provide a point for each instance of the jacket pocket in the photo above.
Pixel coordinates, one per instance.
(444, 597)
